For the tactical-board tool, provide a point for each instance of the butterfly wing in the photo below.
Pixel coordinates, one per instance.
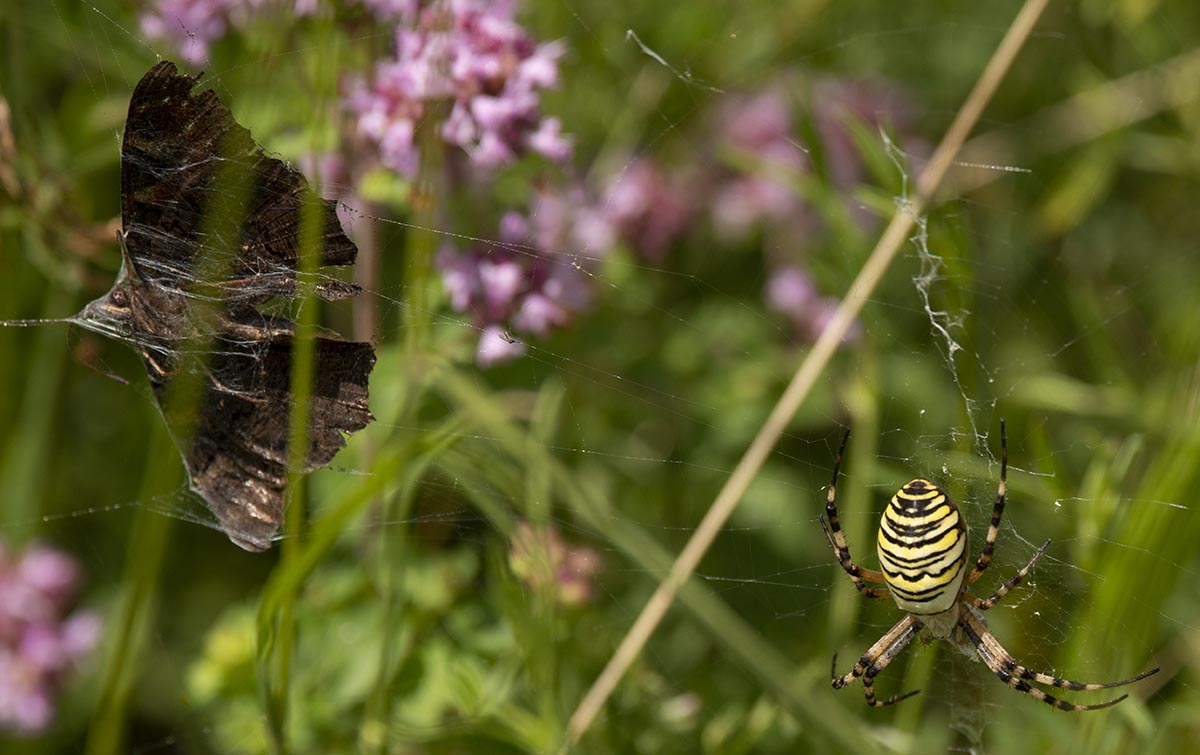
(211, 232)
(198, 195)
(238, 455)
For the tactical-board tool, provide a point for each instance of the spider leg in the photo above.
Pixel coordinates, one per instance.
(877, 658)
(837, 541)
(857, 574)
(984, 605)
(1018, 677)
(989, 545)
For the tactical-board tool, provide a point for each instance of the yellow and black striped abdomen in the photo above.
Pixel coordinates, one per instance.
(922, 548)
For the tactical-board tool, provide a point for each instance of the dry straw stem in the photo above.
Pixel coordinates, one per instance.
(868, 278)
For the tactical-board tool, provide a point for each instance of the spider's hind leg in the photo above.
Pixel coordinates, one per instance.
(1018, 677)
(869, 693)
(877, 658)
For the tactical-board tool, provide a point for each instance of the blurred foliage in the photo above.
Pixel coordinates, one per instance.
(1068, 290)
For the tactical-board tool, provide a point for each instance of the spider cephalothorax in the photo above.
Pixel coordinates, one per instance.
(923, 553)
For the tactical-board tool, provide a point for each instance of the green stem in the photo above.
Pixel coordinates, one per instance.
(148, 544)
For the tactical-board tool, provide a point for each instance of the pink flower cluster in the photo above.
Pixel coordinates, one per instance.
(473, 56)
(538, 277)
(39, 641)
(191, 26)
(762, 187)
(526, 283)
(759, 136)
(757, 185)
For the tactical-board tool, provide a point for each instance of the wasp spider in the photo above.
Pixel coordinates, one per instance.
(922, 546)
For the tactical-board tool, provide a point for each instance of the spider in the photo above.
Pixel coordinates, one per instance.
(922, 546)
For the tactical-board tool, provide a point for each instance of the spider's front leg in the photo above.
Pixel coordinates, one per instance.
(1015, 580)
(989, 544)
(837, 541)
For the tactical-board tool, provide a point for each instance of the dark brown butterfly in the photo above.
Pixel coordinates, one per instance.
(211, 242)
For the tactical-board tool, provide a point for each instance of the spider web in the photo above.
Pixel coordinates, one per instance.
(969, 326)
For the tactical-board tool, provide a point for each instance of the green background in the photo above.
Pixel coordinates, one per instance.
(1069, 284)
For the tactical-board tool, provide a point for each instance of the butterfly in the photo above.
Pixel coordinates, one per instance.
(211, 240)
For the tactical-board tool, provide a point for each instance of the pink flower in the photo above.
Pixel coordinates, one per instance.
(39, 641)
(567, 283)
(491, 151)
(540, 69)
(189, 25)
(757, 122)
(501, 282)
(837, 103)
(548, 140)
(541, 559)
(791, 292)
(539, 313)
(649, 208)
(514, 228)
(460, 277)
(496, 346)
(391, 10)
(760, 136)
(593, 230)
(26, 705)
(50, 572)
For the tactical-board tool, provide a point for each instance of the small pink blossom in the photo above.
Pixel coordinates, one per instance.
(191, 26)
(548, 140)
(501, 281)
(539, 313)
(760, 136)
(460, 277)
(791, 292)
(491, 151)
(531, 282)
(50, 572)
(648, 208)
(836, 103)
(543, 560)
(391, 10)
(496, 346)
(514, 228)
(593, 230)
